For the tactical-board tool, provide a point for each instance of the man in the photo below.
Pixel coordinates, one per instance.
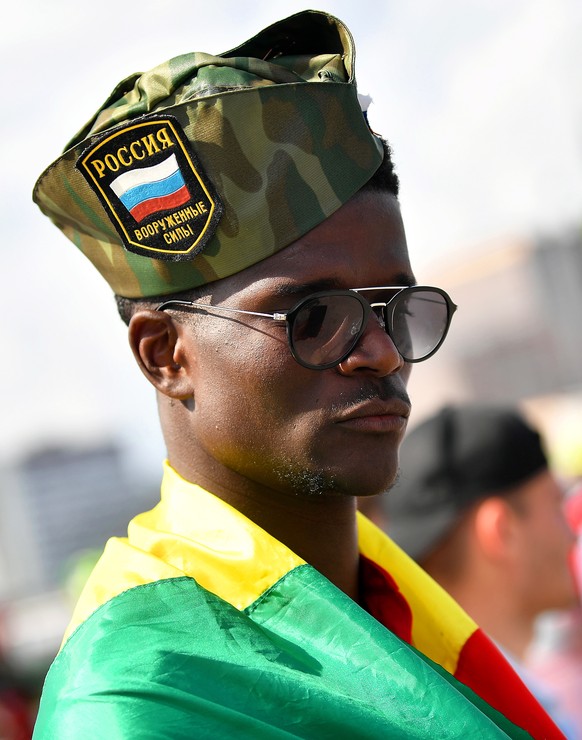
(243, 212)
(479, 509)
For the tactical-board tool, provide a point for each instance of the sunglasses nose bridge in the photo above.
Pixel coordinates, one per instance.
(379, 311)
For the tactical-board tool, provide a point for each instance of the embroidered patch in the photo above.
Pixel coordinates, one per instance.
(154, 189)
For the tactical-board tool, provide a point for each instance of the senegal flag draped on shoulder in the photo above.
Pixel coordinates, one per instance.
(200, 625)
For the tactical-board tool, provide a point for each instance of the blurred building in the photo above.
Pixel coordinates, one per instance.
(517, 335)
(56, 505)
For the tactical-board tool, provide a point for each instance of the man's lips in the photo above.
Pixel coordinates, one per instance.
(376, 416)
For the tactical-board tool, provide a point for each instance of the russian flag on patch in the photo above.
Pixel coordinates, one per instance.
(150, 189)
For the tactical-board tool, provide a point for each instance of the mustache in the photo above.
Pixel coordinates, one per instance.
(388, 391)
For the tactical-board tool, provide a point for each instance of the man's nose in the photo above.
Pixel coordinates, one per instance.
(375, 353)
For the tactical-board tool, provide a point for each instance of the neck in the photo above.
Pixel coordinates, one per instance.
(501, 617)
(320, 528)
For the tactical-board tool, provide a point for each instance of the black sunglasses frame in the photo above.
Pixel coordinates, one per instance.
(388, 311)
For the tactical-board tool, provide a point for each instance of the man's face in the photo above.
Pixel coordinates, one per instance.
(257, 413)
(545, 545)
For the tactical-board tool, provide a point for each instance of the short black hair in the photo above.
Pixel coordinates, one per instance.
(384, 179)
(128, 306)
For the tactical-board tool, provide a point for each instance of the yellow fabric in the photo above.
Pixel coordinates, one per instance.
(440, 627)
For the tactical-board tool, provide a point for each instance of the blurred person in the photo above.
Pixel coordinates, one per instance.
(16, 712)
(556, 654)
(247, 218)
(479, 509)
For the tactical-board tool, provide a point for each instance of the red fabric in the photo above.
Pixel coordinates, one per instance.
(573, 509)
(381, 597)
(497, 683)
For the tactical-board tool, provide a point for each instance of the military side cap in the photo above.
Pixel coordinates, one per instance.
(460, 455)
(205, 165)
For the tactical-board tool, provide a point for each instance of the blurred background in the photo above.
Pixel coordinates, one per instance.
(482, 103)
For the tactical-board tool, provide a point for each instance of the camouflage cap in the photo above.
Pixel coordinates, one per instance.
(205, 165)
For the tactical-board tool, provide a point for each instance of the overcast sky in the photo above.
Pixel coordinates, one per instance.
(480, 99)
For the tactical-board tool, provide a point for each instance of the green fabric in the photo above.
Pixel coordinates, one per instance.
(171, 660)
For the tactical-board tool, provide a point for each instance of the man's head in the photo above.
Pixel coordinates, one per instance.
(241, 185)
(476, 499)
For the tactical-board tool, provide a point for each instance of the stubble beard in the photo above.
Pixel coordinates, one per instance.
(308, 482)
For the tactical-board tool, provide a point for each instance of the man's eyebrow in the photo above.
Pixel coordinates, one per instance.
(315, 286)
(406, 279)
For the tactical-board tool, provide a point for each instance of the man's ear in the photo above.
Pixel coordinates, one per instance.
(154, 338)
(494, 527)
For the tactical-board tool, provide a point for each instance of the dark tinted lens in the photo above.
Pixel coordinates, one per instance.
(420, 320)
(326, 328)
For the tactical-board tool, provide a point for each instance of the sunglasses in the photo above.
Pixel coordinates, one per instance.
(324, 327)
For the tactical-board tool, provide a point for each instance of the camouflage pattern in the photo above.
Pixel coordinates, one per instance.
(284, 146)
